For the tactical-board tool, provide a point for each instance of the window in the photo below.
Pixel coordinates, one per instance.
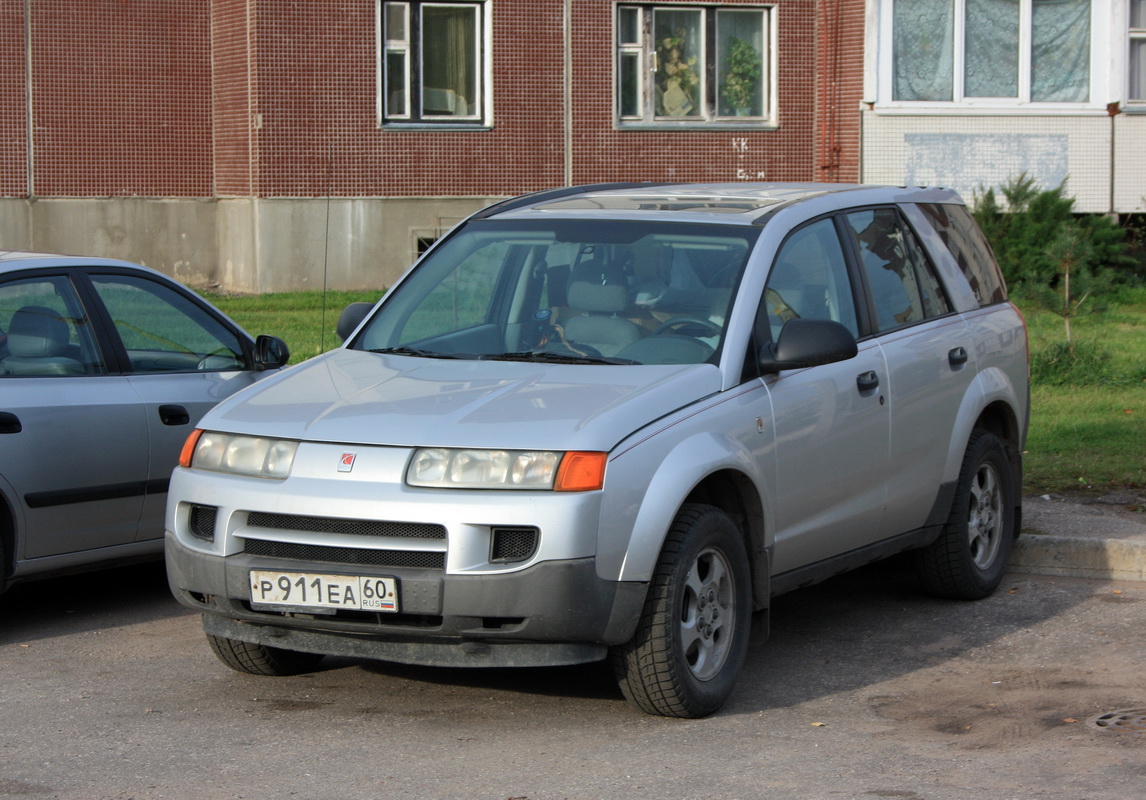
(809, 281)
(1137, 51)
(43, 330)
(958, 230)
(1036, 51)
(904, 287)
(433, 63)
(684, 64)
(163, 331)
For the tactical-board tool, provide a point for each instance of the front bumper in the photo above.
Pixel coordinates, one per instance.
(551, 613)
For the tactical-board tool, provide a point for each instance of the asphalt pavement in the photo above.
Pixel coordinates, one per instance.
(1103, 538)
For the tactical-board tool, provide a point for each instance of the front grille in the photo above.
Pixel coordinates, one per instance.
(345, 555)
(357, 527)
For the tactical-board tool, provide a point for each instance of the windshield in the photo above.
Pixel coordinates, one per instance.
(596, 291)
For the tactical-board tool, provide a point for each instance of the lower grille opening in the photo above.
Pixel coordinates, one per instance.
(324, 554)
(201, 522)
(510, 545)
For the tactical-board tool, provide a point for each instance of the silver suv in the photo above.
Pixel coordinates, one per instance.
(613, 422)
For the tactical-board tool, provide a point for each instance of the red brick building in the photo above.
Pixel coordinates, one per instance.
(264, 145)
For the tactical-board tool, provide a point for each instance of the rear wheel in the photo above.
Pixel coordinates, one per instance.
(969, 558)
(259, 659)
(693, 633)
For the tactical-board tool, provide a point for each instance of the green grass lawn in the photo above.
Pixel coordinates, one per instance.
(1088, 410)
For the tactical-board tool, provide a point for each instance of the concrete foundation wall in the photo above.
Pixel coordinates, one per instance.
(242, 245)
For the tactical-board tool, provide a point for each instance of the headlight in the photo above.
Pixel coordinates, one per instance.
(441, 467)
(253, 456)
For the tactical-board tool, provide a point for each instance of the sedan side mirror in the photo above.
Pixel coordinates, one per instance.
(806, 343)
(351, 318)
(271, 352)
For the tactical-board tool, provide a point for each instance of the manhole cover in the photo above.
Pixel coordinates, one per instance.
(1128, 720)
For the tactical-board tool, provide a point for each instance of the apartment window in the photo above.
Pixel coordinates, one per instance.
(678, 65)
(983, 51)
(1138, 51)
(433, 58)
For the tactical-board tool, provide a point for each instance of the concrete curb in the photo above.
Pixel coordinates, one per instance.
(1102, 539)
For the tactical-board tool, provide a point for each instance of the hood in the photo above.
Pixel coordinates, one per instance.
(358, 397)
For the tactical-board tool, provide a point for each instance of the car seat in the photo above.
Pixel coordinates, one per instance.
(37, 340)
(598, 295)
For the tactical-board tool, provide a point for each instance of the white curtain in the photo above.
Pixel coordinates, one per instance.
(1060, 51)
(922, 53)
(991, 67)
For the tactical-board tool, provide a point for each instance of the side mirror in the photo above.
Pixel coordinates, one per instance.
(351, 318)
(807, 343)
(271, 352)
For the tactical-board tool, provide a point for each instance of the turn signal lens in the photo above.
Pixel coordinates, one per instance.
(581, 472)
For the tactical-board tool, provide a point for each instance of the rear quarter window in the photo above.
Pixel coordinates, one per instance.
(959, 231)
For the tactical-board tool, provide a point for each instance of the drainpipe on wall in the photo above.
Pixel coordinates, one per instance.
(567, 25)
(29, 136)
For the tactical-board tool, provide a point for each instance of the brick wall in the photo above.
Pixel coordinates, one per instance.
(186, 98)
(120, 97)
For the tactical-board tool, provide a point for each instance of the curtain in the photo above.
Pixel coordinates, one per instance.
(991, 68)
(923, 49)
(1060, 51)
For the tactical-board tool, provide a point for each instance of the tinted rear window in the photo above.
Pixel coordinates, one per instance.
(959, 231)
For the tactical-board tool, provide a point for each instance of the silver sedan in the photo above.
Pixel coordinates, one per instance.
(105, 367)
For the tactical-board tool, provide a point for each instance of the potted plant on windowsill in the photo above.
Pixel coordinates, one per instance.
(741, 80)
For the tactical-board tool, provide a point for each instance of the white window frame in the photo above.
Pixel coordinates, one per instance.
(1135, 34)
(645, 53)
(880, 76)
(410, 115)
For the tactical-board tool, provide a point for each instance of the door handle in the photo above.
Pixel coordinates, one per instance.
(174, 415)
(867, 381)
(9, 423)
(957, 356)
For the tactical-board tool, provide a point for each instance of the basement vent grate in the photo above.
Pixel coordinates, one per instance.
(1128, 720)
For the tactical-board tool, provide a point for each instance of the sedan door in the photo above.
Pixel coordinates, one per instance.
(181, 358)
(73, 438)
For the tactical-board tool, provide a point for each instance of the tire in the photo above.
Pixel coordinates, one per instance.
(693, 633)
(969, 558)
(259, 659)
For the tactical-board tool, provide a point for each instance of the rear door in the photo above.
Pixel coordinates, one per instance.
(929, 355)
(73, 436)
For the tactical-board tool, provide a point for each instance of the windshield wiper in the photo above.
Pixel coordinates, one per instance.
(413, 351)
(547, 357)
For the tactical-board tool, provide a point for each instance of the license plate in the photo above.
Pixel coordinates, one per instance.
(319, 591)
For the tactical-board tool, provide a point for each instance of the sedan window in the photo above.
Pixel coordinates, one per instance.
(165, 331)
(43, 330)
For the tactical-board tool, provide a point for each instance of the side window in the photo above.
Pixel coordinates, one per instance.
(163, 330)
(462, 300)
(959, 231)
(809, 280)
(44, 331)
(904, 286)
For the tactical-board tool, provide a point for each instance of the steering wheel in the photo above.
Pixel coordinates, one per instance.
(710, 328)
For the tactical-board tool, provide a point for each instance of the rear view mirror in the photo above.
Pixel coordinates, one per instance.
(271, 352)
(351, 318)
(806, 343)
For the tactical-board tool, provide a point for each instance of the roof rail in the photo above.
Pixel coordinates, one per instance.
(556, 194)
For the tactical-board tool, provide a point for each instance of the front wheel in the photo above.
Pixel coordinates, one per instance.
(259, 659)
(969, 558)
(693, 633)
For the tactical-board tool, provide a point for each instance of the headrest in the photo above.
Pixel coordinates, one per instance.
(37, 332)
